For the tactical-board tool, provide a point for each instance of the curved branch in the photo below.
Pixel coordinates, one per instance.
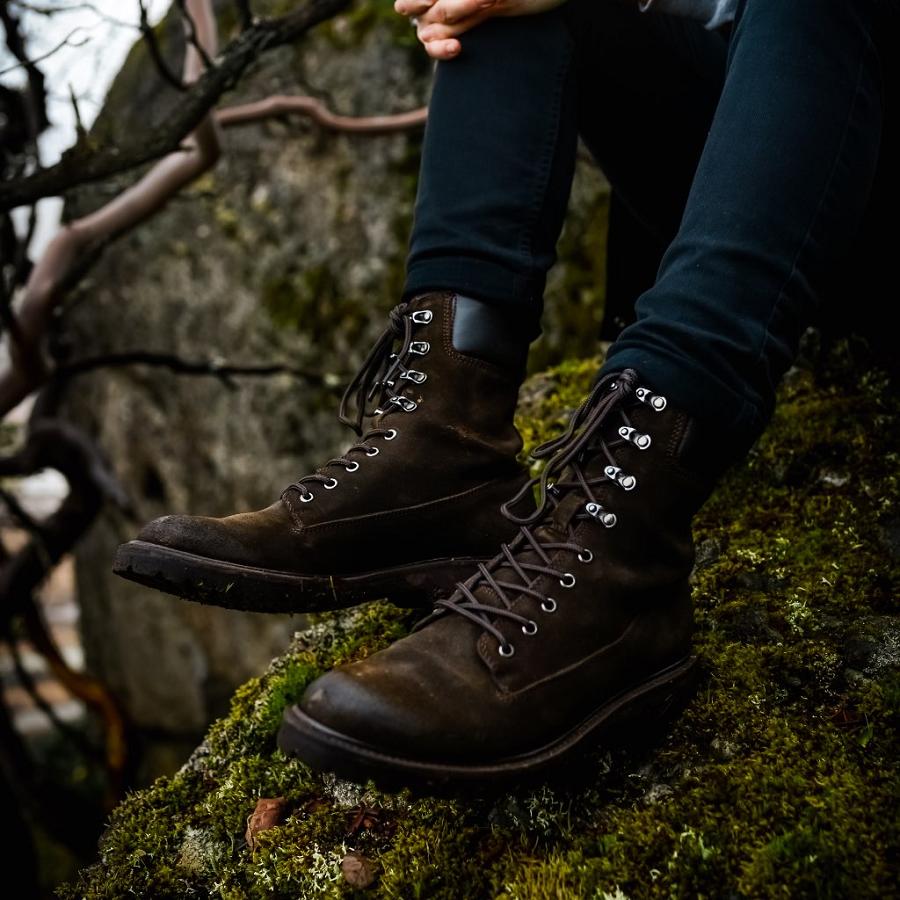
(75, 244)
(85, 165)
(280, 105)
(60, 446)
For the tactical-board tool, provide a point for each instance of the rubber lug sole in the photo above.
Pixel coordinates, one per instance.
(234, 586)
(626, 721)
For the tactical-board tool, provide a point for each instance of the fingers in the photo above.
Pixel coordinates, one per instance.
(440, 22)
(429, 32)
(413, 7)
(450, 12)
(443, 49)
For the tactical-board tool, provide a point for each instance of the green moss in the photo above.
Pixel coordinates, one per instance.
(779, 780)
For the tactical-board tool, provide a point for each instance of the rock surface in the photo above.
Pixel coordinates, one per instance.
(780, 780)
(291, 251)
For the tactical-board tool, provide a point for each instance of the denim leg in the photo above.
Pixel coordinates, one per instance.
(779, 195)
(497, 166)
(501, 138)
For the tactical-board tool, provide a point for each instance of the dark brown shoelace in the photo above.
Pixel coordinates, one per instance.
(384, 375)
(528, 556)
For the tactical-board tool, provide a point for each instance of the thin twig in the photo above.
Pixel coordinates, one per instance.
(213, 368)
(80, 130)
(74, 7)
(30, 688)
(190, 28)
(34, 60)
(159, 61)
(90, 165)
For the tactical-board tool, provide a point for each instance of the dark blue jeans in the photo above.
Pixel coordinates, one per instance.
(751, 155)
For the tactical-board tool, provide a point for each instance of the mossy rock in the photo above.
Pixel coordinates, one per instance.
(780, 780)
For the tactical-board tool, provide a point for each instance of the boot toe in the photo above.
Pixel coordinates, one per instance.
(261, 539)
(408, 700)
(193, 534)
(348, 702)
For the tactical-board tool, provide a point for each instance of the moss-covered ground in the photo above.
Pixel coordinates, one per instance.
(780, 780)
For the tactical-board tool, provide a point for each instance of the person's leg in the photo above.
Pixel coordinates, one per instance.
(779, 194)
(436, 445)
(497, 167)
(652, 85)
(500, 143)
(583, 623)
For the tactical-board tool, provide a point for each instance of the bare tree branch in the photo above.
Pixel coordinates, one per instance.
(191, 32)
(86, 165)
(223, 370)
(36, 110)
(61, 446)
(77, 245)
(33, 61)
(159, 61)
(280, 105)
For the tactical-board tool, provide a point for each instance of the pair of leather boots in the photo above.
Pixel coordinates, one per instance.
(560, 606)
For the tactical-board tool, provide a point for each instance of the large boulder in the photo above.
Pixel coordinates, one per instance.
(780, 780)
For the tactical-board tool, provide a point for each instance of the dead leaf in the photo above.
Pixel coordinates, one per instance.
(359, 871)
(269, 812)
(363, 818)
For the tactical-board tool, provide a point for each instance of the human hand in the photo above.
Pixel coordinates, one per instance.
(439, 23)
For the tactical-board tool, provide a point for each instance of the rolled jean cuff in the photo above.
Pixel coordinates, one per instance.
(737, 420)
(485, 281)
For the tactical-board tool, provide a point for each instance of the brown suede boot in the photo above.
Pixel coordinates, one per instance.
(581, 625)
(406, 512)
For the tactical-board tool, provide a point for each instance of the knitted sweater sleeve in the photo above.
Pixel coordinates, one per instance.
(713, 13)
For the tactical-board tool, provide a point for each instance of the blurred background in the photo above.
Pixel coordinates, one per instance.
(177, 328)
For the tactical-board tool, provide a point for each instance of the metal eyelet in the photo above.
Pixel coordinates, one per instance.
(626, 482)
(391, 434)
(530, 629)
(655, 401)
(585, 556)
(414, 375)
(419, 347)
(405, 404)
(372, 451)
(351, 466)
(330, 485)
(633, 436)
(506, 650)
(549, 605)
(567, 581)
(596, 511)
(422, 317)
(306, 498)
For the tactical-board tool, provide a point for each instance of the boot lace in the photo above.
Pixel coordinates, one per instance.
(520, 563)
(384, 375)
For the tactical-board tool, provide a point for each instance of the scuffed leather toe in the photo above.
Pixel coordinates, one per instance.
(395, 700)
(261, 538)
